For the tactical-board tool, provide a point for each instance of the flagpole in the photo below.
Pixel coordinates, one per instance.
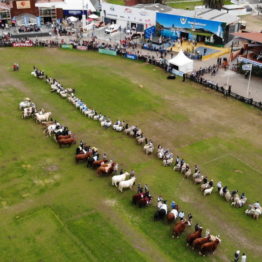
(248, 86)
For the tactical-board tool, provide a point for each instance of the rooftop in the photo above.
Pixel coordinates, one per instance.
(201, 13)
(256, 37)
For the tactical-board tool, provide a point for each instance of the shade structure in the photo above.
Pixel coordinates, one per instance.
(72, 19)
(93, 16)
(183, 63)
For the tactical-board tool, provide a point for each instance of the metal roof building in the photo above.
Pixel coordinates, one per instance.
(201, 13)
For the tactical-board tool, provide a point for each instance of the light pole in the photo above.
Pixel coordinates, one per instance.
(83, 14)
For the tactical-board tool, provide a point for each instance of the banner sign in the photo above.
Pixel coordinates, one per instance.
(22, 44)
(83, 48)
(107, 51)
(74, 12)
(247, 67)
(150, 32)
(67, 46)
(23, 4)
(189, 24)
(176, 72)
(131, 56)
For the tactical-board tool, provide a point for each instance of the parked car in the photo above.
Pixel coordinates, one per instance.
(112, 28)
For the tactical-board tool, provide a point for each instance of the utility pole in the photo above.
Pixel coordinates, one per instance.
(83, 14)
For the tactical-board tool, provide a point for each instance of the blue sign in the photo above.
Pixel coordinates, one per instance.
(182, 23)
(131, 56)
(149, 31)
(176, 72)
(74, 12)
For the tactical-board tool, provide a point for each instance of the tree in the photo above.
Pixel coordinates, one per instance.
(214, 4)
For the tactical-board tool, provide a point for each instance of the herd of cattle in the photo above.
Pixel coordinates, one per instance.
(162, 153)
(203, 244)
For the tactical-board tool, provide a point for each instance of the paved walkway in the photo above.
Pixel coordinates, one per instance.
(237, 81)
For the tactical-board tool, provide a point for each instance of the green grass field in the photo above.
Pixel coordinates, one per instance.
(52, 209)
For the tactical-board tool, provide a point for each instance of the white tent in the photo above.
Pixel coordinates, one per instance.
(72, 19)
(93, 16)
(183, 63)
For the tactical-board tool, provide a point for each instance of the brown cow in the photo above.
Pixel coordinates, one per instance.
(66, 141)
(98, 163)
(209, 247)
(198, 242)
(106, 169)
(191, 237)
(85, 156)
(179, 228)
(63, 137)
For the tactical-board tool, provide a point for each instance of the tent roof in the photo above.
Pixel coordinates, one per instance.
(180, 60)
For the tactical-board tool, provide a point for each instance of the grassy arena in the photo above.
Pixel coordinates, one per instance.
(54, 210)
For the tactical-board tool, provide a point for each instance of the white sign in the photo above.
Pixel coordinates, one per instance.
(129, 14)
(247, 67)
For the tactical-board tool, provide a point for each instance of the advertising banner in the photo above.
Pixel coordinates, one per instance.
(189, 24)
(176, 72)
(67, 46)
(247, 67)
(107, 51)
(22, 44)
(131, 56)
(23, 4)
(74, 12)
(82, 48)
(149, 32)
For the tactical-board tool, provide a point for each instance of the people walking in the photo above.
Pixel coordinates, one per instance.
(243, 258)
(236, 256)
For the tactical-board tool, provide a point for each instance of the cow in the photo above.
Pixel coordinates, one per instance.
(209, 247)
(198, 242)
(191, 237)
(179, 228)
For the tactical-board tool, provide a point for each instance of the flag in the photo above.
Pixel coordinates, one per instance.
(247, 67)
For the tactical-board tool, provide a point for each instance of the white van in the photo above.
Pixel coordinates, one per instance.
(112, 28)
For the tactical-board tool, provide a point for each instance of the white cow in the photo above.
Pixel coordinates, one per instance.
(43, 117)
(140, 139)
(117, 179)
(126, 184)
(254, 211)
(168, 162)
(118, 126)
(106, 123)
(208, 191)
(28, 112)
(149, 148)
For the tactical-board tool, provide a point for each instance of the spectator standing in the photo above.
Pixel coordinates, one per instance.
(236, 256)
(244, 257)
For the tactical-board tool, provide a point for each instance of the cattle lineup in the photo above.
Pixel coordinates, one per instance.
(178, 164)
